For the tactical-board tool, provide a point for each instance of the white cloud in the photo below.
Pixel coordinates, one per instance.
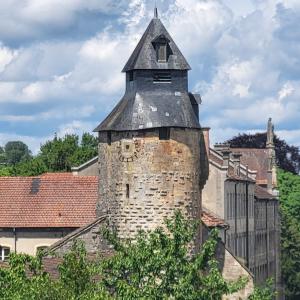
(6, 56)
(245, 59)
(75, 127)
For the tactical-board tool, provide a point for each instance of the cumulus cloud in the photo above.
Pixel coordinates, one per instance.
(60, 61)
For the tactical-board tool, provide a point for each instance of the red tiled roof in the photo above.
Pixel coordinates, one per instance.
(49, 200)
(262, 193)
(212, 220)
(256, 159)
(215, 158)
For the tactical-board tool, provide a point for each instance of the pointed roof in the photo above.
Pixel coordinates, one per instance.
(144, 55)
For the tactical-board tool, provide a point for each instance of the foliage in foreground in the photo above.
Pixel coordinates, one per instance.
(157, 266)
(289, 187)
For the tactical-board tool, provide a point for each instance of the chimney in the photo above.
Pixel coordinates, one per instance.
(225, 151)
(236, 157)
(205, 131)
(271, 174)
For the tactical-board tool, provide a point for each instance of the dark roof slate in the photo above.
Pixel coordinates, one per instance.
(144, 55)
(151, 109)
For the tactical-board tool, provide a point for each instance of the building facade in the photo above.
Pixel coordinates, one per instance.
(242, 190)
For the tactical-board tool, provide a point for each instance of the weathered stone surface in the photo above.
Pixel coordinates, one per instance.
(163, 175)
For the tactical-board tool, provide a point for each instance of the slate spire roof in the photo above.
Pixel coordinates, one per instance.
(144, 55)
(156, 87)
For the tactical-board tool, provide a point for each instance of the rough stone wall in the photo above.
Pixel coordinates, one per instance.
(91, 237)
(144, 179)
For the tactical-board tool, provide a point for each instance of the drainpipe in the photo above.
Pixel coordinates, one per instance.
(15, 238)
(247, 225)
(235, 218)
(267, 239)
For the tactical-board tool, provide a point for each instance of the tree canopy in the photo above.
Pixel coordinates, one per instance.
(287, 156)
(158, 265)
(16, 151)
(289, 186)
(57, 155)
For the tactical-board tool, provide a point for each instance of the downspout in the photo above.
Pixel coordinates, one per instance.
(235, 219)
(15, 238)
(267, 239)
(247, 225)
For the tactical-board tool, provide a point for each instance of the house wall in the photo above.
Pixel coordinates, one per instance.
(239, 214)
(90, 168)
(266, 240)
(27, 240)
(213, 191)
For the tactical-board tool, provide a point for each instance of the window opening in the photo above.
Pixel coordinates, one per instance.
(162, 77)
(127, 190)
(161, 52)
(109, 137)
(4, 253)
(164, 133)
(131, 76)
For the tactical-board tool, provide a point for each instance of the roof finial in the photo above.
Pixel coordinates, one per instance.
(155, 12)
(270, 134)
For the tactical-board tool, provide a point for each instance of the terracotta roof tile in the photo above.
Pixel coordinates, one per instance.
(49, 200)
(256, 159)
(212, 220)
(262, 193)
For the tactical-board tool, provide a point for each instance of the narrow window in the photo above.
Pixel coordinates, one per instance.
(4, 253)
(109, 137)
(161, 52)
(164, 133)
(131, 76)
(127, 190)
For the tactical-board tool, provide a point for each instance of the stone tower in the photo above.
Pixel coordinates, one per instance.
(152, 157)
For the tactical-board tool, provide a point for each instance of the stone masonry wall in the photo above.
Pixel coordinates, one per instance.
(144, 179)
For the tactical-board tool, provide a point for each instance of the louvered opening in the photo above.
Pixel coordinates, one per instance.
(162, 77)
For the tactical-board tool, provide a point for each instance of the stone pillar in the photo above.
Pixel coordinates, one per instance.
(236, 157)
(205, 131)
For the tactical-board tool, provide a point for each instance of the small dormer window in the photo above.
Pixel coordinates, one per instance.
(162, 48)
(161, 52)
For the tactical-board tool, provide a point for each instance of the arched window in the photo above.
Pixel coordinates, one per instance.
(4, 253)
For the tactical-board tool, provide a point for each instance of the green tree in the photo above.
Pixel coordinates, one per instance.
(287, 156)
(16, 151)
(56, 153)
(2, 156)
(158, 265)
(289, 186)
(264, 292)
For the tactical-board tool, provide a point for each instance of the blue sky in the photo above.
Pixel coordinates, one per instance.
(61, 62)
